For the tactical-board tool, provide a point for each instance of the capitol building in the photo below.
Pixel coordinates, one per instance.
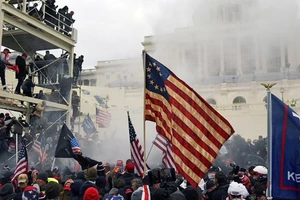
(232, 47)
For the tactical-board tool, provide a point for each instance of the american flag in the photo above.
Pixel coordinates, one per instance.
(146, 193)
(195, 130)
(103, 118)
(39, 147)
(165, 146)
(136, 150)
(75, 146)
(22, 166)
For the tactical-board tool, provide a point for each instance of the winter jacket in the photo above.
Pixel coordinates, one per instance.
(220, 192)
(27, 86)
(20, 61)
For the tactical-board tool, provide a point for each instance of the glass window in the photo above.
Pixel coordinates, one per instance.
(239, 100)
(213, 59)
(274, 58)
(230, 56)
(248, 56)
(211, 101)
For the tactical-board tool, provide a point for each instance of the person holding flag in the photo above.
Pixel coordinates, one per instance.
(68, 147)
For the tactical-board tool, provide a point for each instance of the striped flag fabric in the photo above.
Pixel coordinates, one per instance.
(67, 145)
(103, 118)
(39, 147)
(75, 146)
(22, 166)
(146, 193)
(167, 154)
(194, 129)
(136, 150)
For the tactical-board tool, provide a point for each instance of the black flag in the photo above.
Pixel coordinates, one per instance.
(67, 145)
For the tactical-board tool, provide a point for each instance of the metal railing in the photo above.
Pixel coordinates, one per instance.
(42, 12)
(53, 72)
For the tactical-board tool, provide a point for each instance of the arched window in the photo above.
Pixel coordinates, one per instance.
(238, 100)
(211, 101)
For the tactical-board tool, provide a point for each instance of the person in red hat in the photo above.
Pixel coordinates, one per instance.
(128, 174)
(4, 56)
(91, 194)
(21, 63)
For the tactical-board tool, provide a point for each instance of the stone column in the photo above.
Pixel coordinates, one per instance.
(222, 61)
(282, 57)
(257, 56)
(200, 67)
(239, 59)
(264, 55)
(205, 60)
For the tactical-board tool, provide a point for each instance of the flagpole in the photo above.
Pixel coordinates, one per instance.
(17, 147)
(269, 137)
(144, 117)
(53, 163)
(150, 151)
(79, 104)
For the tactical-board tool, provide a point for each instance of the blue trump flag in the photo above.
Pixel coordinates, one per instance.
(88, 125)
(285, 151)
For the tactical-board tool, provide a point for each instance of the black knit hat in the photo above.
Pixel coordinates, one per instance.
(43, 176)
(100, 167)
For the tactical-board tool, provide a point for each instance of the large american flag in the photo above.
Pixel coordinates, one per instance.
(167, 155)
(39, 147)
(136, 150)
(22, 166)
(195, 130)
(103, 118)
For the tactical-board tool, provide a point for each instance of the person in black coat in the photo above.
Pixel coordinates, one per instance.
(28, 87)
(21, 62)
(221, 191)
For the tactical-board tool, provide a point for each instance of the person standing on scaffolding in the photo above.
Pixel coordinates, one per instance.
(3, 144)
(3, 63)
(51, 69)
(36, 120)
(21, 63)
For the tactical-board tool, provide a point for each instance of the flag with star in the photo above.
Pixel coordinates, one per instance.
(194, 129)
(22, 165)
(136, 150)
(67, 145)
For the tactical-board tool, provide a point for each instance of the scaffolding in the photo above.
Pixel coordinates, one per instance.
(28, 34)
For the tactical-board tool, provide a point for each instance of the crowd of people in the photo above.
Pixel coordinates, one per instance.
(119, 181)
(238, 173)
(48, 69)
(60, 19)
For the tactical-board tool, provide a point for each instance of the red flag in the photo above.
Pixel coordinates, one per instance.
(195, 130)
(14, 68)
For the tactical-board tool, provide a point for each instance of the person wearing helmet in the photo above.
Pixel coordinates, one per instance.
(237, 191)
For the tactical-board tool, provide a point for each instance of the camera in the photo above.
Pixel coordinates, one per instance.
(161, 176)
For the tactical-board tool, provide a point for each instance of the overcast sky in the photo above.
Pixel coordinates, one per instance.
(114, 29)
